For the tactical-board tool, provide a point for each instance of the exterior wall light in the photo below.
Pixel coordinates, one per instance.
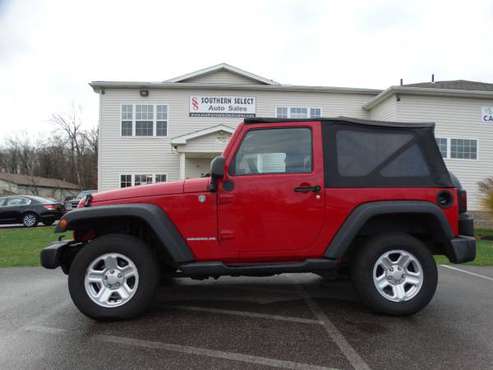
(144, 93)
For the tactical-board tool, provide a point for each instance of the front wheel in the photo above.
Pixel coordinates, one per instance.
(395, 274)
(113, 277)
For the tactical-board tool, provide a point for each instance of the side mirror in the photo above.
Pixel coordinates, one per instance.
(217, 171)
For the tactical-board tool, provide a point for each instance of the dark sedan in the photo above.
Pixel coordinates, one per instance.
(29, 210)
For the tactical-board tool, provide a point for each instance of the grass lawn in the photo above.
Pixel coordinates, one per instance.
(21, 247)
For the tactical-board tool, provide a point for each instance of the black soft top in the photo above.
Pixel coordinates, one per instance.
(356, 121)
(366, 153)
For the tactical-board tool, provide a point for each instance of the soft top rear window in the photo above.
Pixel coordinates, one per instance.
(381, 156)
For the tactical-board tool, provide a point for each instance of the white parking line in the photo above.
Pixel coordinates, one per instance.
(231, 356)
(468, 272)
(352, 356)
(249, 314)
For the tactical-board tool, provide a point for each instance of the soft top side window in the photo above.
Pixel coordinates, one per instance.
(277, 150)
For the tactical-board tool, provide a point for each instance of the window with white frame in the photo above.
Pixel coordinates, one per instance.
(125, 181)
(315, 113)
(144, 120)
(161, 120)
(442, 143)
(282, 112)
(161, 178)
(298, 112)
(142, 179)
(127, 119)
(463, 148)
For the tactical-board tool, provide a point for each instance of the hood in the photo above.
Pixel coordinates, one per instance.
(152, 190)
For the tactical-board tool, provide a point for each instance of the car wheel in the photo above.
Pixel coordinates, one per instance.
(48, 222)
(395, 274)
(114, 277)
(30, 219)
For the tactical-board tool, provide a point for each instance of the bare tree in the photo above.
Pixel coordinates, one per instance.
(69, 154)
(70, 126)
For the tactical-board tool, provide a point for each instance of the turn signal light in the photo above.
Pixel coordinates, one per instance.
(62, 225)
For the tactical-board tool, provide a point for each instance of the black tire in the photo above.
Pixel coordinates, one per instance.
(30, 219)
(145, 262)
(48, 221)
(362, 272)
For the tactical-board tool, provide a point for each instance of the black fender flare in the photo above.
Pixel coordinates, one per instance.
(361, 214)
(155, 217)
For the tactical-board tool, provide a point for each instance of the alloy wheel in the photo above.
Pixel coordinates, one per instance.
(111, 280)
(398, 276)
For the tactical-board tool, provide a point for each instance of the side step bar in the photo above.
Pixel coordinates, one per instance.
(258, 269)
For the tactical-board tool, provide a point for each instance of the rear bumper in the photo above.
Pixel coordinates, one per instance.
(463, 249)
(51, 256)
(466, 225)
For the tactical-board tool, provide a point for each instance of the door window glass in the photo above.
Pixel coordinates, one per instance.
(18, 201)
(285, 150)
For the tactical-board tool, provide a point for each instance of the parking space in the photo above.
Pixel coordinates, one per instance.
(286, 321)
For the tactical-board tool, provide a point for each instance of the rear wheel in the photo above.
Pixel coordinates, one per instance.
(395, 274)
(30, 219)
(114, 277)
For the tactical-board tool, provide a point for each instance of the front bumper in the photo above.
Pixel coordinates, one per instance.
(52, 255)
(463, 249)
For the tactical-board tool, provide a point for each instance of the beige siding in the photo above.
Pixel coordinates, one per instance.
(138, 155)
(456, 118)
(223, 77)
(386, 111)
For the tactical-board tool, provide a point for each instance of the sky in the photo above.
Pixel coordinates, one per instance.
(51, 50)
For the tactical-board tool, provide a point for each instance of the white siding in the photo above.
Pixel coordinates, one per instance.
(141, 155)
(223, 77)
(196, 167)
(456, 118)
(385, 111)
(206, 144)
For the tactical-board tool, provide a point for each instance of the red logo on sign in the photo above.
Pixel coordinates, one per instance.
(195, 103)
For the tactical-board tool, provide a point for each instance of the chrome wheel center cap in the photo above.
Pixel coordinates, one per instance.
(113, 278)
(395, 274)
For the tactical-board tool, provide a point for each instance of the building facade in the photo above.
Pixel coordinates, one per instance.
(14, 184)
(164, 131)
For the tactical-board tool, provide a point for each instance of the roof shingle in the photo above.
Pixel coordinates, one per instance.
(37, 181)
(455, 85)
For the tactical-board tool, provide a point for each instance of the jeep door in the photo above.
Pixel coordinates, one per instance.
(271, 201)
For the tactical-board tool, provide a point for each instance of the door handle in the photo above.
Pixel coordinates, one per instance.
(307, 189)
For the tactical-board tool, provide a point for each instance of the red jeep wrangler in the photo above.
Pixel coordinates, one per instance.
(372, 198)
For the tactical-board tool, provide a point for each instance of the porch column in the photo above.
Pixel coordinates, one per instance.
(182, 166)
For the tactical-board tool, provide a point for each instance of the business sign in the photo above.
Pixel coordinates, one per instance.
(487, 115)
(222, 106)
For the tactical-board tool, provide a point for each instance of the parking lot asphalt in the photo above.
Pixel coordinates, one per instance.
(286, 321)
